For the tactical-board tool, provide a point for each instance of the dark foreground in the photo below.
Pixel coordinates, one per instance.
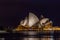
(21, 36)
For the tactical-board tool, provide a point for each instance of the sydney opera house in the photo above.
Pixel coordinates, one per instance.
(33, 28)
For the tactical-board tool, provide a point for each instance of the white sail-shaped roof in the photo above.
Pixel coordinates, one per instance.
(30, 20)
(43, 20)
(33, 19)
(24, 22)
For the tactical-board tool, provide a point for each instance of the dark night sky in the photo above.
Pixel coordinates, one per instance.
(12, 11)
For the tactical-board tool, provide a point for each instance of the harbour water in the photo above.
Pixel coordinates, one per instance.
(20, 36)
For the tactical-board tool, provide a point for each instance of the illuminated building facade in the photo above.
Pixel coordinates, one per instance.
(32, 27)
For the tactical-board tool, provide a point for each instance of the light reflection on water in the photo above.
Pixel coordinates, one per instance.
(42, 38)
(38, 39)
(11, 36)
